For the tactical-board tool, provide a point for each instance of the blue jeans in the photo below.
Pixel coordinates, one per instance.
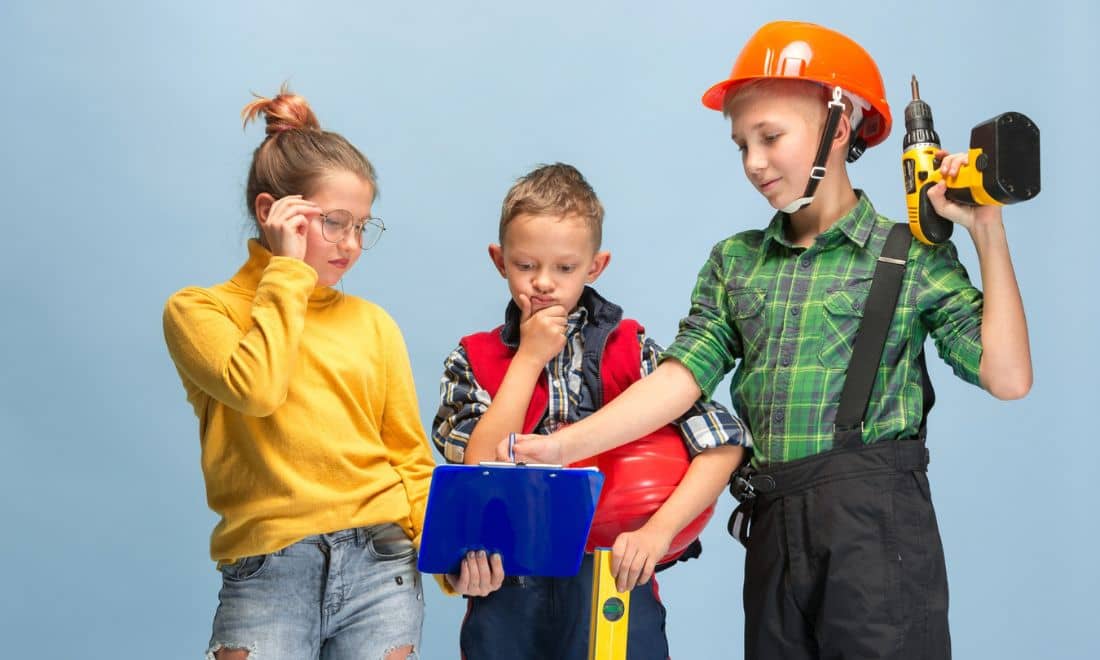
(549, 618)
(355, 593)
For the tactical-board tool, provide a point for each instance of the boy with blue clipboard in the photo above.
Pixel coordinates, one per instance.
(562, 353)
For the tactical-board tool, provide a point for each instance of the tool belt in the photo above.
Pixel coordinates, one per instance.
(749, 484)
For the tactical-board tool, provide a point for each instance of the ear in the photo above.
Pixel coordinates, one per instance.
(262, 206)
(496, 255)
(599, 263)
(843, 134)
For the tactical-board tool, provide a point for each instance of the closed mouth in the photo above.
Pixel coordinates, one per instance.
(768, 184)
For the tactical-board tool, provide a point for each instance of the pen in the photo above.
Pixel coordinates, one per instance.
(512, 447)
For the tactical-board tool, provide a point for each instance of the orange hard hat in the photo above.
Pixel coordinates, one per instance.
(805, 51)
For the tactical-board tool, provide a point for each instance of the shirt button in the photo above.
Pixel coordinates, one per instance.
(805, 262)
(794, 311)
(778, 416)
(786, 361)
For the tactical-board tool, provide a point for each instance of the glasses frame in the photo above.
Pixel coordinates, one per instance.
(368, 221)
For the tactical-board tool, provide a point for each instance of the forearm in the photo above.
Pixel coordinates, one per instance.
(1005, 370)
(507, 411)
(707, 476)
(644, 407)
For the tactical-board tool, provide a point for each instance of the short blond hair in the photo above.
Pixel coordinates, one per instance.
(764, 86)
(557, 189)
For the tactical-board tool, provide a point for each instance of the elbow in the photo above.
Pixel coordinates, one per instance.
(260, 406)
(259, 401)
(1012, 389)
(255, 396)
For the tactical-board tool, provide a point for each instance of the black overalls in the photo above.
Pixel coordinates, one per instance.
(844, 558)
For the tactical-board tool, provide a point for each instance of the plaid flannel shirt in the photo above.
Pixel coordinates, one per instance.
(790, 314)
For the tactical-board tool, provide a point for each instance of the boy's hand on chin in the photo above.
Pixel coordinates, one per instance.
(541, 333)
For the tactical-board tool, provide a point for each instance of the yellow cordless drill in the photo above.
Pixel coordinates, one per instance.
(1003, 167)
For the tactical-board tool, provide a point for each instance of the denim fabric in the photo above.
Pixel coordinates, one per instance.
(355, 593)
(548, 618)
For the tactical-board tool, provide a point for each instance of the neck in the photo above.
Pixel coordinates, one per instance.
(833, 200)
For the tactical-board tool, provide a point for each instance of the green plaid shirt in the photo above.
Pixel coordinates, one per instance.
(790, 315)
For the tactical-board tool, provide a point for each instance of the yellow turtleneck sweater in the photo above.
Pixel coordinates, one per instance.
(307, 412)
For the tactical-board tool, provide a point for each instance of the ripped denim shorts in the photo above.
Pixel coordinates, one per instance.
(355, 593)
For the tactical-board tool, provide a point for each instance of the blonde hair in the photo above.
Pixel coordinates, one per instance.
(765, 86)
(557, 189)
(296, 154)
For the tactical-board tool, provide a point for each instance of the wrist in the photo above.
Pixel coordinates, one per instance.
(527, 359)
(661, 527)
(988, 232)
(567, 449)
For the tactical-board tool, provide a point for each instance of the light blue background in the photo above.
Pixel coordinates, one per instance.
(123, 165)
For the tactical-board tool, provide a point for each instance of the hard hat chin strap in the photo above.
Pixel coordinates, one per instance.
(817, 172)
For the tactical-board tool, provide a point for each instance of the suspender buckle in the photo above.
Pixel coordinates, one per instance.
(745, 486)
(848, 428)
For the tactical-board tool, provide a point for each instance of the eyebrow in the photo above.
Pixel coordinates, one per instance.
(755, 127)
(364, 219)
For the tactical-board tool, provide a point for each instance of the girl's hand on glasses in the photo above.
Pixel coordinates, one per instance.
(286, 226)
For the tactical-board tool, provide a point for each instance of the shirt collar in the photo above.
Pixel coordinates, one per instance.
(856, 225)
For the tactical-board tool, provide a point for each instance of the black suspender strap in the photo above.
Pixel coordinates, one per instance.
(871, 338)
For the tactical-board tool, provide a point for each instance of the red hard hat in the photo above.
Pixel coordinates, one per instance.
(790, 49)
(638, 478)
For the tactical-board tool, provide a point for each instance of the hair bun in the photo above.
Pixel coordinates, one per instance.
(285, 112)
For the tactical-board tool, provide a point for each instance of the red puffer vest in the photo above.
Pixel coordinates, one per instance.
(638, 476)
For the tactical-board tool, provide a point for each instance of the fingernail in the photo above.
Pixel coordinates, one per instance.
(480, 553)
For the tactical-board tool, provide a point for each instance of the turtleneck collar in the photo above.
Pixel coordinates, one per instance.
(248, 277)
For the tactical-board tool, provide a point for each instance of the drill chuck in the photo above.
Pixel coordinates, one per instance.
(919, 127)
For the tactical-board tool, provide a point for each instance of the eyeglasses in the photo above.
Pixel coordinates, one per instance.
(336, 224)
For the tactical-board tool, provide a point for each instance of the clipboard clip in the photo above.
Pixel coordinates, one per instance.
(522, 465)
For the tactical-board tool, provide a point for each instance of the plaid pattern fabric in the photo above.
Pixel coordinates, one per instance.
(707, 424)
(790, 314)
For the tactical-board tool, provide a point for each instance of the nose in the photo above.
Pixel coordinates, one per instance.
(754, 159)
(350, 241)
(542, 282)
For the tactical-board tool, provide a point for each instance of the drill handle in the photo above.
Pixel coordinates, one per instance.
(933, 228)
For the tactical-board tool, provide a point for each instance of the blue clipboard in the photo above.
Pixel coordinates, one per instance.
(536, 517)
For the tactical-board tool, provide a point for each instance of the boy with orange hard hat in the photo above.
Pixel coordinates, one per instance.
(562, 353)
(844, 557)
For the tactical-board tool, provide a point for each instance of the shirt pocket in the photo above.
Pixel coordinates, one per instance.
(843, 313)
(745, 309)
